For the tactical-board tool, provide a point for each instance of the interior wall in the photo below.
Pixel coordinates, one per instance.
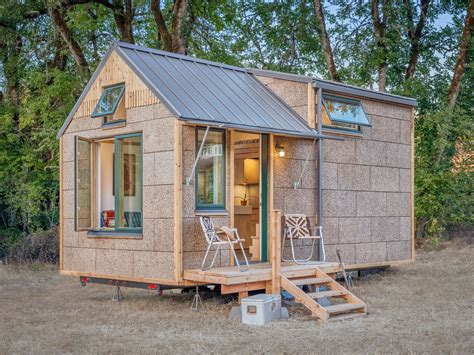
(107, 199)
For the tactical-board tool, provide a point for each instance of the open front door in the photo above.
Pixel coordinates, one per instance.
(264, 163)
(251, 160)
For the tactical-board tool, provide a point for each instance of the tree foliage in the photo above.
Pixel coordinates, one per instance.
(48, 48)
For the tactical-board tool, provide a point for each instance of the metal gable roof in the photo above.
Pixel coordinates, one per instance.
(209, 93)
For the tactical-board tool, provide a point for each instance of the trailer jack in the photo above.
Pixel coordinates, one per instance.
(117, 296)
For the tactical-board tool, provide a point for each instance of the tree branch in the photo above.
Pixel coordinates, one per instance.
(161, 25)
(460, 66)
(415, 35)
(179, 28)
(380, 26)
(325, 42)
(63, 29)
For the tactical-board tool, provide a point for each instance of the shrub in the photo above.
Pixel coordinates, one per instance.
(41, 246)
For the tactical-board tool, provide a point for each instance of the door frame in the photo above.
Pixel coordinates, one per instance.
(264, 194)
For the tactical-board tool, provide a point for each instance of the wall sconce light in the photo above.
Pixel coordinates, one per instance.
(280, 150)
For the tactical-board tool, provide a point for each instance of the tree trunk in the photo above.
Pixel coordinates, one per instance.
(10, 63)
(161, 25)
(123, 15)
(462, 57)
(415, 35)
(380, 26)
(61, 26)
(180, 28)
(60, 58)
(325, 42)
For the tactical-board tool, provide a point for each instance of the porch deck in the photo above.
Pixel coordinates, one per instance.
(258, 273)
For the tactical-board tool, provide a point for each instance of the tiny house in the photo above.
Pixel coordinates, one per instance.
(157, 140)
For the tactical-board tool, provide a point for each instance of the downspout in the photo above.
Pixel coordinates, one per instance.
(319, 118)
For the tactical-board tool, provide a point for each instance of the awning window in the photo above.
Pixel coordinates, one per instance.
(109, 101)
(346, 111)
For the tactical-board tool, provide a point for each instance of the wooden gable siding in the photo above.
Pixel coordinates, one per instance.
(117, 71)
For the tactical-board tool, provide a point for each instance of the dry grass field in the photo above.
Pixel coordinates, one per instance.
(425, 307)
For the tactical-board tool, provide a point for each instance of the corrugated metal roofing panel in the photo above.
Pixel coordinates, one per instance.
(212, 93)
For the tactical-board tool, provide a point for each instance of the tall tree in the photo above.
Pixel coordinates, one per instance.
(380, 24)
(176, 38)
(57, 15)
(325, 42)
(461, 61)
(123, 15)
(415, 34)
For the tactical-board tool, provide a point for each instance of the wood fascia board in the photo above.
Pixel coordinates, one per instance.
(120, 277)
(61, 214)
(178, 202)
(412, 185)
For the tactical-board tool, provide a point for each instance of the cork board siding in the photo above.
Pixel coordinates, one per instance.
(151, 256)
(194, 242)
(286, 172)
(294, 94)
(366, 182)
(117, 71)
(366, 190)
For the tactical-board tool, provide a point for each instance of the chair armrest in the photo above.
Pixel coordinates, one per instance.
(227, 229)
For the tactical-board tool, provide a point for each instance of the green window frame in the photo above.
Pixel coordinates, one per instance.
(108, 101)
(118, 188)
(344, 114)
(211, 206)
(85, 187)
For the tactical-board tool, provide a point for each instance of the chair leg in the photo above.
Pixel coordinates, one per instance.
(206, 255)
(323, 259)
(243, 250)
(283, 249)
(302, 261)
(233, 252)
(245, 255)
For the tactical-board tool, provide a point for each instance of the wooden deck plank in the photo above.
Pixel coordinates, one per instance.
(231, 275)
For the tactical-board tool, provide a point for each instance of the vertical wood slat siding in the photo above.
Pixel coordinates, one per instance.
(117, 71)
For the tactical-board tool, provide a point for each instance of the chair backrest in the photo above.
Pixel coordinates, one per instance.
(296, 226)
(209, 230)
(133, 219)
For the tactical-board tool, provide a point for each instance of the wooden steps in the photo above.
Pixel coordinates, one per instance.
(312, 281)
(352, 307)
(327, 294)
(344, 307)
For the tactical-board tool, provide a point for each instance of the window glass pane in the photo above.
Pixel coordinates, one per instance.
(128, 182)
(83, 185)
(345, 111)
(108, 101)
(210, 169)
(106, 198)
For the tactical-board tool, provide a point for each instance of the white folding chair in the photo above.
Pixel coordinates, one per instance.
(297, 227)
(212, 237)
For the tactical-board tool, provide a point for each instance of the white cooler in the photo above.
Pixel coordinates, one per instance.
(261, 309)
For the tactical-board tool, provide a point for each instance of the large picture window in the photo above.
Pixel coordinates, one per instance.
(109, 186)
(210, 170)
